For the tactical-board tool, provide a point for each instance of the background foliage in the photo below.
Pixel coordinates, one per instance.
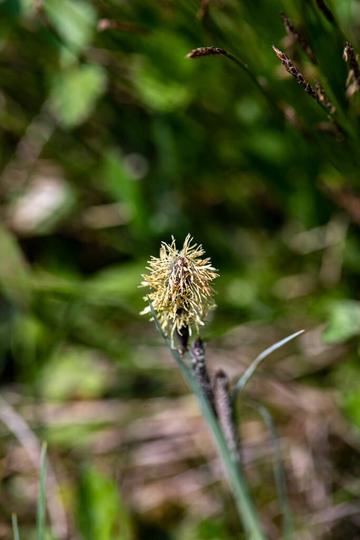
(111, 141)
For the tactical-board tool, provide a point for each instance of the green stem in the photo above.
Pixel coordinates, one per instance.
(243, 501)
(255, 80)
(41, 508)
(235, 476)
(15, 527)
(279, 473)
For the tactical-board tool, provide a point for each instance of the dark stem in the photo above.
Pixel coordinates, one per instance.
(183, 338)
(224, 411)
(198, 365)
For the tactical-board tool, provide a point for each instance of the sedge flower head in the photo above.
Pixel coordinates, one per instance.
(181, 293)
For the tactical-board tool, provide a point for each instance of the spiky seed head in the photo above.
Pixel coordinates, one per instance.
(180, 284)
(295, 72)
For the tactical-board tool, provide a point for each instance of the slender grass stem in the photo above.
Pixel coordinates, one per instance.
(15, 527)
(247, 70)
(41, 509)
(255, 79)
(279, 473)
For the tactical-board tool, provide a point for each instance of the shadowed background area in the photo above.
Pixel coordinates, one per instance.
(111, 141)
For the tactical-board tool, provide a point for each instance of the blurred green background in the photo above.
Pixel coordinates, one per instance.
(111, 141)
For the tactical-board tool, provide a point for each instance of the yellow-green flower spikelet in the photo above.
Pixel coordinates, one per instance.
(180, 282)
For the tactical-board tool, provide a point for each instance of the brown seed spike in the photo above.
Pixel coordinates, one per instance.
(199, 368)
(206, 51)
(224, 411)
(323, 99)
(288, 25)
(297, 36)
(353, 81)
(316, 92)
(281, 56)
(295, 72)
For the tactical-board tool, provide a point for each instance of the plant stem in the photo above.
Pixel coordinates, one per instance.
(234, 473)
(41, 508)
(242, 497)
(254, 78)
(279, 473)
(15, 527)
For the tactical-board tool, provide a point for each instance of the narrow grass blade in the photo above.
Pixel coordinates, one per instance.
(249, 372)
(279, 473)
(15, 528)
(244, 503)
(41, 508)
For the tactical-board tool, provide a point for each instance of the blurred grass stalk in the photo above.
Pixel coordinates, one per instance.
(15, 527)
(36, 453)
(278, 468)
(41, 509)
(41, 504)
